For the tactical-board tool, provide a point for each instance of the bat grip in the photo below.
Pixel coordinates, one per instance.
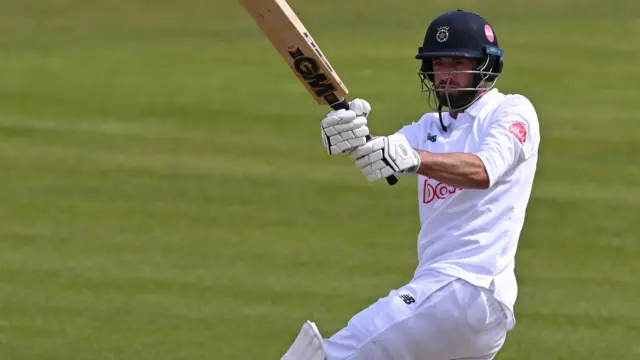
(344, 105)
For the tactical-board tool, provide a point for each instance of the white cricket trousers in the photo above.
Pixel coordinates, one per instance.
(424, 320)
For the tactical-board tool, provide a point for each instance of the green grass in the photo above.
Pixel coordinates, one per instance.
(165, 194)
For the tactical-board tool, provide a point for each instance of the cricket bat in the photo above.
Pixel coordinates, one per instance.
(291, 39)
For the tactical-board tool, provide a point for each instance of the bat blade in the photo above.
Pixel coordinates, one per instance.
(300, 51)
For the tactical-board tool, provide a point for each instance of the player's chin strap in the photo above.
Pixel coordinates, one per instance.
(444, 128)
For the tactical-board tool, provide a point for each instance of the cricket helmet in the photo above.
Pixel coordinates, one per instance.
(460, 34)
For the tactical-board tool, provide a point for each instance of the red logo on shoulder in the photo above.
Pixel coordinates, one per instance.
(519, 131)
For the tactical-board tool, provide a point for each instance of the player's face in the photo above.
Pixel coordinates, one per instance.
(449, 76)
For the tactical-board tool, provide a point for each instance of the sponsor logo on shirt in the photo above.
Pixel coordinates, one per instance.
(435, 190)
(519, 131)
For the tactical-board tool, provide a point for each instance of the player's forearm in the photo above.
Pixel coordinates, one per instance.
(461, 170)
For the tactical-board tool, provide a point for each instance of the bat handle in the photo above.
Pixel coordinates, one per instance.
(344, 104)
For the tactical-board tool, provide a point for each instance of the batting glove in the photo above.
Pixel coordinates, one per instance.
(384, 156)
(344, 130)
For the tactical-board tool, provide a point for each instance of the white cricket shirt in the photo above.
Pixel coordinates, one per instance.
(468, 233)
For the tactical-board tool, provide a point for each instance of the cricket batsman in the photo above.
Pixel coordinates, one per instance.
(474, 165)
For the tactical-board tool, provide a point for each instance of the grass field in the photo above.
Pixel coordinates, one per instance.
(165, 194)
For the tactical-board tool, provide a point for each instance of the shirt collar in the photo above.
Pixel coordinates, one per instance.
(474, 110)
(477, 106)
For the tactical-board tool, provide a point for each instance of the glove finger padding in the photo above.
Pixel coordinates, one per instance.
(348, 135)
(370, 147)
(374, 166)
(338, 117)
(364, 161)
(355, 124)
(342, 131)
(350, 144)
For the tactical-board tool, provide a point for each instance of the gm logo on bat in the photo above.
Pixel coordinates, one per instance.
(309, 69)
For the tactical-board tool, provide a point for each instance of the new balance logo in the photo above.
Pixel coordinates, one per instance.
(432, 138)
(408, 299)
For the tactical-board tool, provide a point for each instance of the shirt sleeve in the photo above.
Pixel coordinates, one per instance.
(512, 137)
